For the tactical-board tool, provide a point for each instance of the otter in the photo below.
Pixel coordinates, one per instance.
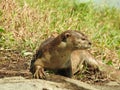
(55, 53)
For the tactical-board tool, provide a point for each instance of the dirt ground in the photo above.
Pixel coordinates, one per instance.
(13, 63)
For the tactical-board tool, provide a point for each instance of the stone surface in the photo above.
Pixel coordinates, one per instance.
(55, 83)
(19, 83)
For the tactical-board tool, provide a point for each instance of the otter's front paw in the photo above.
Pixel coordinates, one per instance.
(39, 73)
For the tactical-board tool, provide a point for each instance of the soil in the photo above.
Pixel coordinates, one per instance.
(13, 63)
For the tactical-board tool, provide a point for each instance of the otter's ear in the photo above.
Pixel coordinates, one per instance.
(67, 35)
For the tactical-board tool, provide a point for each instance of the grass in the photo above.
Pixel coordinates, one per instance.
(27, 23)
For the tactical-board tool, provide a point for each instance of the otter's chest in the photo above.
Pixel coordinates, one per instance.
(59, 59)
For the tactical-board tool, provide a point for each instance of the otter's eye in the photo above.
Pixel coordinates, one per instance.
(83, 38)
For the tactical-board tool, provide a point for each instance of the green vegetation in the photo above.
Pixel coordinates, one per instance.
(29, 22)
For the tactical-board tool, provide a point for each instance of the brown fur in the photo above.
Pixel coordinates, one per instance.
(55, 53)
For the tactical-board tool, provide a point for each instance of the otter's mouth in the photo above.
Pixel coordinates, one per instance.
(82, 47)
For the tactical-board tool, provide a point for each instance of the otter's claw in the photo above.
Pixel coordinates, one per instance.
(39, 73)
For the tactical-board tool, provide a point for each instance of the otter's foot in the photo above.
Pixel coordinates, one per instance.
(39, 73)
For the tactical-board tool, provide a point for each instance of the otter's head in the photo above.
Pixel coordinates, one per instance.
(75, 40)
